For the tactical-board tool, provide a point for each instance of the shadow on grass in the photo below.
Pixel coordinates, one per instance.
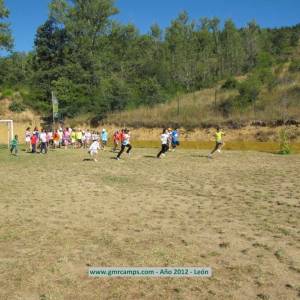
(149, 156)
(87, 159)
(200, 155)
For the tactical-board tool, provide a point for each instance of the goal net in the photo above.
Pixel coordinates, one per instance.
(6, 131)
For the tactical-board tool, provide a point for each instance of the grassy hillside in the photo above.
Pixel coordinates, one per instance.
(278, 100)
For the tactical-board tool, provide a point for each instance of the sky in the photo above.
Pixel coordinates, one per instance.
(27, 15)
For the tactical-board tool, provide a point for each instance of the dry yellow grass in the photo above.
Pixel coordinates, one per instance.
(237, 213)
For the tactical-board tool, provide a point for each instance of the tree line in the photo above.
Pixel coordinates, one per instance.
(97, 65)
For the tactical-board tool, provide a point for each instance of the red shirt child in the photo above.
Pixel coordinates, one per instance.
(33, 139)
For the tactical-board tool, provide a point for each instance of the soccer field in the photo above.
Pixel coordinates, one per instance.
(238, 213)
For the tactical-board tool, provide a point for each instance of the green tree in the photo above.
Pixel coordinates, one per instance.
(233, 55)
(6, 40)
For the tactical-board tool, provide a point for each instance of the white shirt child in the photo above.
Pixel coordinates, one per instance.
(94, 147)
(164, 138)
(43, 137)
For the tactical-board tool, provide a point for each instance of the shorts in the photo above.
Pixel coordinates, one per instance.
(175, 143)
(104, 142)
(219, 143)
(27, 139)
(93, 152)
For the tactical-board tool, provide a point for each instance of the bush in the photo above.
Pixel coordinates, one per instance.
(266, 76)
(284, 139)
(6, 93)
(230, 83)
(249, 90)
(17, 106)
(295, 66)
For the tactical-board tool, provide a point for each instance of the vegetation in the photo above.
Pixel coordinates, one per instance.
(98, 66)
(6, 41)
(285, 144)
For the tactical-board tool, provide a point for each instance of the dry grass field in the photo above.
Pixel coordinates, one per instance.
(238, 213)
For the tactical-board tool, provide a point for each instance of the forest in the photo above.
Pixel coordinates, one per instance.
(97, 65)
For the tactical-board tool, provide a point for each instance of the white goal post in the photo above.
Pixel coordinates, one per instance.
(10, 130)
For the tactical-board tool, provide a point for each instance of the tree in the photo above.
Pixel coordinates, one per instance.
(232, 49)
(6, 40)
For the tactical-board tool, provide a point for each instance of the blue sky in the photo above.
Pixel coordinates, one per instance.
(27, 15)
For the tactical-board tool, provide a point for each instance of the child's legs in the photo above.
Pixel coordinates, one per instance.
(129, 148)
(12, 149)
(121, 151)
(164, 148)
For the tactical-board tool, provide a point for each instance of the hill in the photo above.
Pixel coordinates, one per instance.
(277, 102)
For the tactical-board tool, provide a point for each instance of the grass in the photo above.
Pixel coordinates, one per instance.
(202, 109)
(237, 213)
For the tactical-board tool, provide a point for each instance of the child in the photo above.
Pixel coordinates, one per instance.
(169, 132)
(50, 138)
(219, 142)
(175, 139)
(56, 139)
(14, 145)
(125, 142)
(164, 143)
(27, 139)
(104, 138)
(66, 138)
(33, 141)
(73, 138)
(93, 150)
(78, 135)
(43, 139)
(88, 137)
(116, 140)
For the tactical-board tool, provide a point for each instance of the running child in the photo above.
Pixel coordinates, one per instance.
(93, 150)
(104, 138)
(175, 139)
(219, 142)
(14, 146)
(164, 143)
(125, 142)
(169, 132)
(116, 138)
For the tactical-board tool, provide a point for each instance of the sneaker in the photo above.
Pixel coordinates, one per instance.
(117, 158)
(219, 150)
(209, 156)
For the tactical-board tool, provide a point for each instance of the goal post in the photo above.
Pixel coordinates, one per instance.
(10, 130)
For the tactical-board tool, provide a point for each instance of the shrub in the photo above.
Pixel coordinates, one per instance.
(249, 91)
(230, 83)
(17, 106)
(295, 66)
(284, 139)
(6, 93)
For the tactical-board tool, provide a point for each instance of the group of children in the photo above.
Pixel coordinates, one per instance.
(62, 138)
(94, 141)
(121, 137)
